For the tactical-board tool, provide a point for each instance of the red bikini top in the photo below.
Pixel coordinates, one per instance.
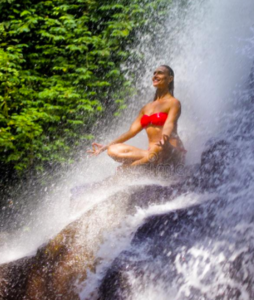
(157, 119)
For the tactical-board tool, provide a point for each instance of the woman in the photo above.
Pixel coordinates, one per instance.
(159, 119)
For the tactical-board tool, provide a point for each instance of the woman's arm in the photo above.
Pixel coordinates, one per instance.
(134, 129)
(170, 123)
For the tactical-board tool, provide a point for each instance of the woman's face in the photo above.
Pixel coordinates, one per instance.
(161, 78)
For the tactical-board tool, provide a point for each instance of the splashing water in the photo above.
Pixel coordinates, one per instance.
(209, 44)
(209, 48)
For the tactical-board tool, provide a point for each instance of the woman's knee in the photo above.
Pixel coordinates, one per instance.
(113, 150)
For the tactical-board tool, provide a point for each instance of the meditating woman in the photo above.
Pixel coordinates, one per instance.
(159, 119)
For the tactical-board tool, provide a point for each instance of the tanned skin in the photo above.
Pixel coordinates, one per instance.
(159, 137)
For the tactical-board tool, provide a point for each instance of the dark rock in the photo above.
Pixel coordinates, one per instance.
(164, 242)
(215, 163)
(153, 241)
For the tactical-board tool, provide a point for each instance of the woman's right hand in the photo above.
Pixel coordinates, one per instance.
(97, 149)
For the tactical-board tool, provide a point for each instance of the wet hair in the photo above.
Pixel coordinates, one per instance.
(171, 85)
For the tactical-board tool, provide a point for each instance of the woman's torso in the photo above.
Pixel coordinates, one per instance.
(154, 132)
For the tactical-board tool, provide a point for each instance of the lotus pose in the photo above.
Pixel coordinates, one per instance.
(159, 119)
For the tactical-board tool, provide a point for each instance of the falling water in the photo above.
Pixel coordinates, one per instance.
(209, 44)
(209, 47)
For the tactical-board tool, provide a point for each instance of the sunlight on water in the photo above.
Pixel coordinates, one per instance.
(210, 48)
(119, 239)
(204, 47)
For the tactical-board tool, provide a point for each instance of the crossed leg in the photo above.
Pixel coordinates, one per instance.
(126, 154)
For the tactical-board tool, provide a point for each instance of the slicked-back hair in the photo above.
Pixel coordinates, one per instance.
(171, 85)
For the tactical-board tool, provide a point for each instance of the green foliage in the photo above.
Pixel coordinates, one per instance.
(60, 70)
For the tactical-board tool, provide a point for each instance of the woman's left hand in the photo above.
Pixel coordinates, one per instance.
(94, 151)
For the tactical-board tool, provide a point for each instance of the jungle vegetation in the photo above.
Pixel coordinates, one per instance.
(60, 62)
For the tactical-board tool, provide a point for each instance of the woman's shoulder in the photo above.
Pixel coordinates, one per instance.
(147, 106)
(174, 102)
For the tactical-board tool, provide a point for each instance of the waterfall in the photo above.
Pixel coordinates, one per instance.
(150, 237)
(209, 47)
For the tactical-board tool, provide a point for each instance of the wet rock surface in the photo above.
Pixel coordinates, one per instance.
(57, 267)
(189, 248)
(159, 246)
(205, 251)
(163, 253)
